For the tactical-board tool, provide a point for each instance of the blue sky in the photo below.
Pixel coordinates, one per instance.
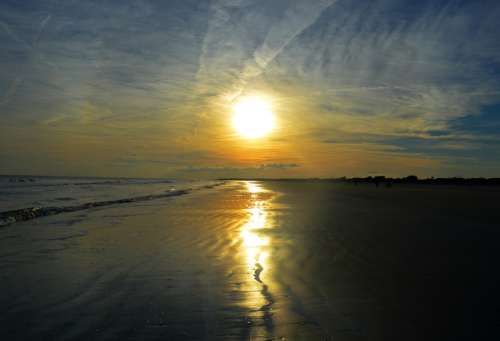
(145, 88)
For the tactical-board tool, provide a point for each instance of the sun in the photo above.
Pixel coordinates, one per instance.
(253, 118)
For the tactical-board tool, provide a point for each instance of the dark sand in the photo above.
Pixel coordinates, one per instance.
(260, 261)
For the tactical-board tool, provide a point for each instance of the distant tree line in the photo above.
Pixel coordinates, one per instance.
(413, 179)
(389, 181)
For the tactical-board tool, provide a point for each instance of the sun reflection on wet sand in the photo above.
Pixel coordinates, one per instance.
(253, 242)
(257, 248)
(253, 187)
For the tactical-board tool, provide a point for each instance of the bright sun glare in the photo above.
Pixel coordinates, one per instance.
(253, 117)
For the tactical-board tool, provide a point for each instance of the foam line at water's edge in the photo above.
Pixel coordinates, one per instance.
(29, 213)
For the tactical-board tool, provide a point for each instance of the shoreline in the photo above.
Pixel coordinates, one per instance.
(23, 214)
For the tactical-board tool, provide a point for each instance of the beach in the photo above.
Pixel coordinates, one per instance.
(259, 260)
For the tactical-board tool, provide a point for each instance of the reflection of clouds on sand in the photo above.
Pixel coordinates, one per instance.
(256, 247)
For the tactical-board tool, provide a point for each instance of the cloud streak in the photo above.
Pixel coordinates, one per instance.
(157, 80)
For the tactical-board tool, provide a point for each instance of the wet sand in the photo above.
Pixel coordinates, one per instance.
(260, 261)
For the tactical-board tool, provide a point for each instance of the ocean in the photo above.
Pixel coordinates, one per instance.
(27, 197)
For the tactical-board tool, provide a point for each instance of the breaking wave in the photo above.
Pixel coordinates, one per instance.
(29, 213)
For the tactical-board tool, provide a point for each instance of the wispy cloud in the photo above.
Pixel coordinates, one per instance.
(157, 79)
